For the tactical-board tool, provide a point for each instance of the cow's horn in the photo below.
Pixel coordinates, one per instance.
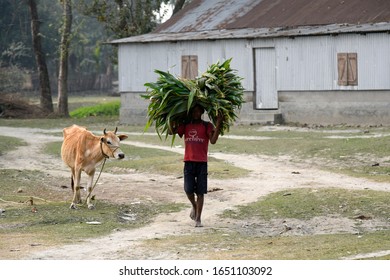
(104, 131)
(116, 129)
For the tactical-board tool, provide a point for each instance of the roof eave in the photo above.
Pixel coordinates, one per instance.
(253, 33)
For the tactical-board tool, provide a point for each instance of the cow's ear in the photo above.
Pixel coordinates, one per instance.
(122, 137)
(103, 140)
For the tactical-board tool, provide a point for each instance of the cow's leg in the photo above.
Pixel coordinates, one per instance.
(89, 189)
(73, 179)
(76, 193)
(72, 182)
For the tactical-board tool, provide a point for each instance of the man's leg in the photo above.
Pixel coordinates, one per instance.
(191, 198)
(199, 208)
(201, 190)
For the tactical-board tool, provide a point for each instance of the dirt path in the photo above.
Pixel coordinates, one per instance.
(267, 175)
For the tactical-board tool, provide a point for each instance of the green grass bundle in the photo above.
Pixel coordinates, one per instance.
(218, 90)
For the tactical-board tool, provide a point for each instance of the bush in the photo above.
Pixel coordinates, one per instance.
(11, 79)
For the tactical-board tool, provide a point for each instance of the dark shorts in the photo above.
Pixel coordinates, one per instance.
(195, 177)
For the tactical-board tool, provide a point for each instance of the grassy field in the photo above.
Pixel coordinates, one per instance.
(356, 151)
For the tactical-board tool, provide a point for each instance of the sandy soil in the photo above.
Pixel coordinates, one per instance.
(267, 175)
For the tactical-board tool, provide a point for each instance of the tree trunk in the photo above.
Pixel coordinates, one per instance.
(64, 55)
(44, 82)
(178, 6)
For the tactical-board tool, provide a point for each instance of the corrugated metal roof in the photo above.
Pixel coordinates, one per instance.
(271, 13)
(226, 19)
(201, 15)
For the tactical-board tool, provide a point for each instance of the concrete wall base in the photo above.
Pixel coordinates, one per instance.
(335, 107)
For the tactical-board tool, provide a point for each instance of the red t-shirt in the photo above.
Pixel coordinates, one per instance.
(196, 140)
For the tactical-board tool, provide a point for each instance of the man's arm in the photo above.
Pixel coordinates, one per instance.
(172, 129)
(215, 132)
(176, 129)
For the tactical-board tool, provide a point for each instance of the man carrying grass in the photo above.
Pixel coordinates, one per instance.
(197, 135)
(220, 92)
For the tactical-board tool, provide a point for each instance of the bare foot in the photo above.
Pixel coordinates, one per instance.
(198, 224)
(192, 214)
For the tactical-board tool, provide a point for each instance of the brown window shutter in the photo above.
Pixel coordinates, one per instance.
(352, 69)
(193, 66)
(342, 68)
(189, 66)
(185, 66)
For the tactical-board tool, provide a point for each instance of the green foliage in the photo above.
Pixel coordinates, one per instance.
(218, 90)
(106, 109)
(123, 18)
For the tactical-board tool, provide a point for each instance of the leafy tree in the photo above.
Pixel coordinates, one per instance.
(15, 33)
(92, 23)
(124, 18)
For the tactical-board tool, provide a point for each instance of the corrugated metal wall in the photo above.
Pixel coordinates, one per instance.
(310, 63)
(306, 70)
(138, 61)
(302, 63)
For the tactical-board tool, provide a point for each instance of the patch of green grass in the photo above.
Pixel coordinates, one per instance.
(53, 148)
(20, 185)
(309, 203)
(223, 245)
(56, 219)
(104, 109)
(10, 143)
(77, 100)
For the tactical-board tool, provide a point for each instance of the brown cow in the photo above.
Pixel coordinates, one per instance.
(83, 151)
